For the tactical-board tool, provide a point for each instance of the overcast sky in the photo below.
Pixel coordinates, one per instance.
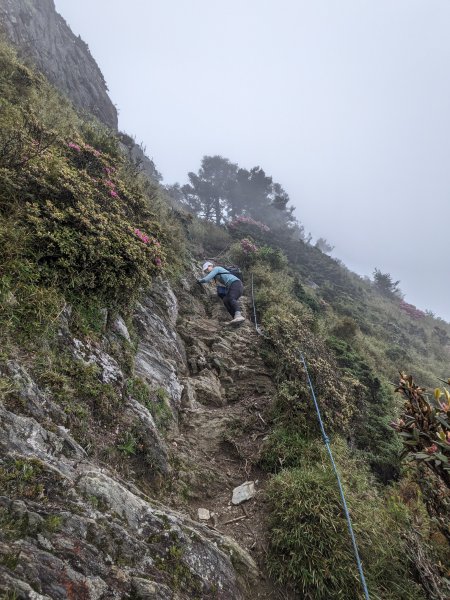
(345, 103)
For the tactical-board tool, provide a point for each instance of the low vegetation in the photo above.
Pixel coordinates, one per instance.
(79, 225)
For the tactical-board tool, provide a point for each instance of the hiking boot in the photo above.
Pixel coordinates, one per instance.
(238, 318)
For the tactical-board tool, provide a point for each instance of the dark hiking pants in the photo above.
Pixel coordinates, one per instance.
(234, 292)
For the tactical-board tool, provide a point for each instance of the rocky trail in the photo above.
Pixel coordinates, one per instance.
(74, 527)
(223, 424)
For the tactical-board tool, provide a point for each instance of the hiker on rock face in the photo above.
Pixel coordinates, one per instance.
(233, 287)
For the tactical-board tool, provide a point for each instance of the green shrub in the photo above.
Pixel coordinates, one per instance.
(129, 444)
(285, 448)
(397, 355)
(346, 329)
(139, 390)
(156, 401)
(287, 337)
(79, 391)
(27, 309)
(29, 478)
(208, 239)
(160, 409)
(99, 137)
(79, 224)
(307, 533)
(273, 257)
(300, 294)
(246, 254)
(239, 256)
(310, 547)
(371, 431)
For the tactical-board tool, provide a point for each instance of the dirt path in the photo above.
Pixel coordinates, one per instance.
(222, 427)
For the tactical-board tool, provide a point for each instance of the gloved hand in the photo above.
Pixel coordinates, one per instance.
(199, 281)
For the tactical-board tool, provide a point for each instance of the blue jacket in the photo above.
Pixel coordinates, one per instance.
(222, 274)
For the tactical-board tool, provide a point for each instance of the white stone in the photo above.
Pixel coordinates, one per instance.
(120, 328)
(243, 492)
(204, 514)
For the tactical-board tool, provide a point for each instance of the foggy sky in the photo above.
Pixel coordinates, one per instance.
(346, 104)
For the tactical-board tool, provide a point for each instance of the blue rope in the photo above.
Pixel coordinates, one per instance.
(341, 491)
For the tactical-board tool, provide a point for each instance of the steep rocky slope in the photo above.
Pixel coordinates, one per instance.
(43, 36)
(128, 407)
(223, 425)
(72, 527)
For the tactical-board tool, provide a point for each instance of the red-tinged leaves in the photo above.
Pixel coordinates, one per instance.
(424, 427)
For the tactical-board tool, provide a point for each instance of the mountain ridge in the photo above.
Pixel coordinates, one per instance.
(121, 393)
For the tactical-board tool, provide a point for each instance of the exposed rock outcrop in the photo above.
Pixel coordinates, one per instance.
(43, 36)
(73, 528)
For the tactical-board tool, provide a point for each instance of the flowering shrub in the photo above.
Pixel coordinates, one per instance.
(244, 220)
(84, 156)
(248, 247)
(86, 147)
(74, 146)
(142, 236)
(149, 240)
(425, 426)
(425, 431)
(411, 310)
(84, 218)
(94, 151)
(79, 219)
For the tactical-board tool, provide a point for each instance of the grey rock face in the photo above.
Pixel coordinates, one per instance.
(71, 528)
(120, 328)
(73, 534)
(92, 355)
(137, 155)
(208, 389)
(43, 36)
(150, 436)
(160, 359)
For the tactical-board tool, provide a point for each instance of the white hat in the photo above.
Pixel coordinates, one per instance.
(206, 265)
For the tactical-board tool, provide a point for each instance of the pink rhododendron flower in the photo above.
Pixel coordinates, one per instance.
(142, 236)
(248, 247)
(244, 220)
(74, 146)
(114, 194)
(431, 449)
(158, 262)
(411, 310)
(110, 184)
(93, 150)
